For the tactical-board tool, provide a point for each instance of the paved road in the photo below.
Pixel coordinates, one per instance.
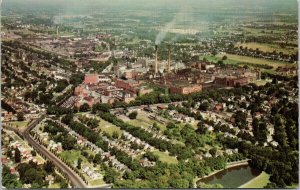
(76, 181)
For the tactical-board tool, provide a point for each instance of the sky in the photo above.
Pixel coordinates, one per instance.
(208, 7)
(274, 4)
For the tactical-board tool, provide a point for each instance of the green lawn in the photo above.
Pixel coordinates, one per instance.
(142, 119)
(39, 159)
(81, 113)
(210, 58)
(183, 124)
(54, 186)
(88, 151)
(259, 182)
(72, 156)
(164, 157)
(96, 182)
(21, 125)
(108, 127)
(243, 60)
(268, 47)
(262, 82)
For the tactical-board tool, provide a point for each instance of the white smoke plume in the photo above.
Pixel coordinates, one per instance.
(179, 17)
(57, 19)
(162, 34)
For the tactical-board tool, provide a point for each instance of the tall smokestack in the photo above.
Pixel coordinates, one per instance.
(57, 30)
(156, 64)
(169, 59)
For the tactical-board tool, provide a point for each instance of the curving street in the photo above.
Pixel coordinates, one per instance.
(76, 181)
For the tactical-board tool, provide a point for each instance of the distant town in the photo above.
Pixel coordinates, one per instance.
(95, 101)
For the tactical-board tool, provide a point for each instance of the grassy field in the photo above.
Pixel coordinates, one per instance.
(268, 47)
(244, 60)
(108, 127)
(39, 159)
(96, 182)
(164, 157)
(262, 82)
(182, 124)
(142, 119)
(89, 151)
(259, 32)
(259, 182)
(72, 156)
(21, 125)
(54, 186)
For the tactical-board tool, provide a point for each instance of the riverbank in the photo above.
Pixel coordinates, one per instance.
(258, 182)
(229, 165)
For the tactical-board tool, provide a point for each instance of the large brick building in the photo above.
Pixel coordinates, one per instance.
(129, 86)
(80, 90)
(185, 89)
(91, 79)
(231, 81)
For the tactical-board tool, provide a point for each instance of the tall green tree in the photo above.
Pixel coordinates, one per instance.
(17, 155)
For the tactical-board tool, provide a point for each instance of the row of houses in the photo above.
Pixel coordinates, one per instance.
(84, 142)
(92, 173)
(26, 154)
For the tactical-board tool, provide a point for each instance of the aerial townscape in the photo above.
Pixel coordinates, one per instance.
(149, 94)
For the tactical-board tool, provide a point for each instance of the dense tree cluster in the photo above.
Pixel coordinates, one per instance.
(89, 134)
(260, 130)
(59, 134)
(76, 78)
(270, 160)
(55, 110)
(188, 135)
(61, 98)
(125, 159)
(84, 107)
(100, 107)
(133, 115)
(32, 174)
(9, 180)
(66, 119)
(61, 85)
(90, 122)
(151, 156)
(111, 174)
(179, 175)
(96, 66)
(240, 119)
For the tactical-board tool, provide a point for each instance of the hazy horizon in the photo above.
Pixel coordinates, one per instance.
(263, 5)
